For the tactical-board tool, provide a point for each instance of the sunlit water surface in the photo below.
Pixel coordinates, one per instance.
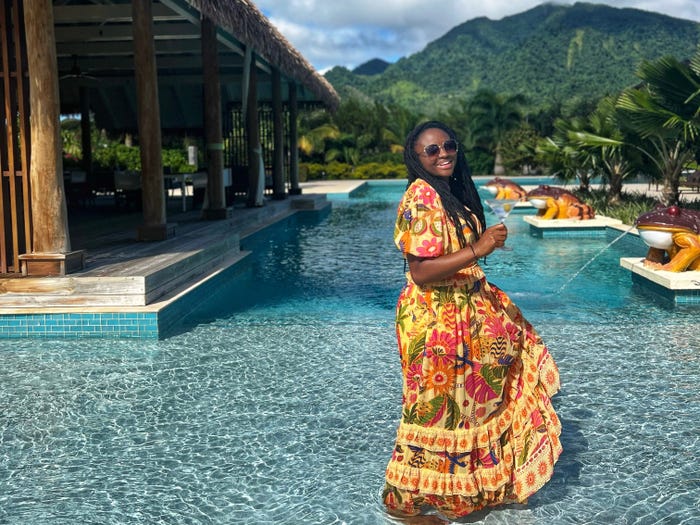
(277, 401)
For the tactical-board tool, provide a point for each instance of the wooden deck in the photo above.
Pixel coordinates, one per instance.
(121, 272)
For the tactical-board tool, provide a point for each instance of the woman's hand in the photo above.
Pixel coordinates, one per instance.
(492, 238)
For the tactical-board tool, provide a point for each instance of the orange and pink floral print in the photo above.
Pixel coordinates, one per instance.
(477, 426)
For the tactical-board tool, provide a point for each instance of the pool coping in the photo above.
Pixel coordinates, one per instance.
(677, 287)
(570, 227)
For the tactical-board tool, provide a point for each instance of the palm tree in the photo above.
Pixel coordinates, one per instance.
(345, 148)
(563, 156)
(519, 148)
(665, 112)
(397, 124)
(492, 116)
(607, 148)
(315, 129)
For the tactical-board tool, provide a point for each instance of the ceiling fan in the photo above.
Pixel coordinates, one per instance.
(75, 71)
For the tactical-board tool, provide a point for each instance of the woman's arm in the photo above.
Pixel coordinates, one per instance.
(425, 270)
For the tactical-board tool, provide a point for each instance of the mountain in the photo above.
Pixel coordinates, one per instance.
(551, 53)
(371, 67)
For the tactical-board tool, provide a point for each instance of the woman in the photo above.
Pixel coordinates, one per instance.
(477, 426)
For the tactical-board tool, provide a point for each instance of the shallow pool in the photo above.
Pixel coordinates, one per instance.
(277, 401)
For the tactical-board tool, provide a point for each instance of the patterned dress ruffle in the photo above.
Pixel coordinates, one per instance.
(477, 427)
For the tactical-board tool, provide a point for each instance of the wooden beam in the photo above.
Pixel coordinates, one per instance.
(15, 235)
(127, 48)
(216, 206)
(24, 111)
(49, 214)
(108, 32)
(101, 66)
(150, 144)
(256, 170)
(98, 14)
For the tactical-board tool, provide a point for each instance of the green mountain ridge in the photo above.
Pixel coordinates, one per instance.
(552, 54)
(372, 67)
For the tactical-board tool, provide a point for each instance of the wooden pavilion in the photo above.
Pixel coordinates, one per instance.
(145, 67)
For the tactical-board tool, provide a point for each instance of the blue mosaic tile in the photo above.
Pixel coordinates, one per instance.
(79, 325)
(567, 233)
(673, 296)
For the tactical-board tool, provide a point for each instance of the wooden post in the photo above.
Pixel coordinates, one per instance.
(256, 170)
(51, 251)
(152, 184)
(216, 196)
(294, 189)
(278, 189)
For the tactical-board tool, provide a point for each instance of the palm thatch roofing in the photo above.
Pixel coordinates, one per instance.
(94, 45)
(252, 28)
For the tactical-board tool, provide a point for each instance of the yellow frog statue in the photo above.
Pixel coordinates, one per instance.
(673, 237)
(502, 189)
(557, 203)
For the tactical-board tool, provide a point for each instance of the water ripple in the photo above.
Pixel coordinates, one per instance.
(278, 402)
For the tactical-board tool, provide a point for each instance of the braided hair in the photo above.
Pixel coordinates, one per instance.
(459, 195)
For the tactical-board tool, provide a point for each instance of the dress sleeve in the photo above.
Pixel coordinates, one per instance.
(420, 222)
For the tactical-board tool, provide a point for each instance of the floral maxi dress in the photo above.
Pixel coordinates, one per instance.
(477, 426)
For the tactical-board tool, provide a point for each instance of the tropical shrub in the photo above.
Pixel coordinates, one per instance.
(315, 171)
(376, 170)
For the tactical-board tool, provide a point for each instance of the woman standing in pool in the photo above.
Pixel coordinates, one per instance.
(477, 426)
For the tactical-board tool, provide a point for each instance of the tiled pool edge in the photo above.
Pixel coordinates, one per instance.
(143, 325)
(676, 287)
(152, 322)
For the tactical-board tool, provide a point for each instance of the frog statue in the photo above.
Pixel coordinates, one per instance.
(504, 189)
(557, 203)
(673, 236)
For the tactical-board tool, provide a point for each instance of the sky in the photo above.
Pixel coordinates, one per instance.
(348, 33)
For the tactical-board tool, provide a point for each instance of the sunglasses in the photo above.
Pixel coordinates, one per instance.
(433, 150)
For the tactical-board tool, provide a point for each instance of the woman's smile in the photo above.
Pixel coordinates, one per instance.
(441, 164)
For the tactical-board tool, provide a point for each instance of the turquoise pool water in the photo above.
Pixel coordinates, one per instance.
(277, 401)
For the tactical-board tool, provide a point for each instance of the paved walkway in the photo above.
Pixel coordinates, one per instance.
(331, 186)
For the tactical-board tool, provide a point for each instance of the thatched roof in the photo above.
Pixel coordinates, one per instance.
(94, 45)
(243, 19)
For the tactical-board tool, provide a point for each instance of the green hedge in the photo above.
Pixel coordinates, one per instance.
(339, 170)
(120, 156)
(479, 164)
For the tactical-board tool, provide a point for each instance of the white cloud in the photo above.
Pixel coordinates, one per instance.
(351, 32)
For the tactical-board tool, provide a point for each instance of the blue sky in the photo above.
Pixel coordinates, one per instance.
(350, 32)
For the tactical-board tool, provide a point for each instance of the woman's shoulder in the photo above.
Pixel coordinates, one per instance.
(421, 194)
(417, 184)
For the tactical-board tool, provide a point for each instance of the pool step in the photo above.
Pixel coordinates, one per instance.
(135, 278)
(273, 211)
(124, 273)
